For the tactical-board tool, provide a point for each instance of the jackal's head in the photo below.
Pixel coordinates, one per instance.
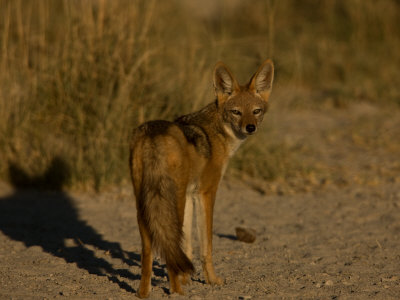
(242, 107)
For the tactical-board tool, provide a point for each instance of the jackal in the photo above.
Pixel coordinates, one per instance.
(178, 165)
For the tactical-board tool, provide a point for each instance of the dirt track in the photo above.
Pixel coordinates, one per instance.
(340, 243)
(333, 234)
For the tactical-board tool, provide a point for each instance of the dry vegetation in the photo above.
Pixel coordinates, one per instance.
(77, 76)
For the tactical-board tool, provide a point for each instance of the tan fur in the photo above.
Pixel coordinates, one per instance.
(178, 165)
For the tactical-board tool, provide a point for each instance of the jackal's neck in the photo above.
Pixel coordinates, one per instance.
(217, 126)
(232, 140)
(207, 117)
(210, 119)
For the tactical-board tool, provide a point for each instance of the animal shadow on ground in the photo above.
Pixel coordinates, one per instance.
(39, 213)
(227, 236)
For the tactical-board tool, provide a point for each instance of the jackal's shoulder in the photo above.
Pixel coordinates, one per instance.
(197, 128)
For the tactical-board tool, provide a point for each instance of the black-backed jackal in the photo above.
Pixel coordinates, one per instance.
(178, 165)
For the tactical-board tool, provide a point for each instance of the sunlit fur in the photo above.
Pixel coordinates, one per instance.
(176, 168)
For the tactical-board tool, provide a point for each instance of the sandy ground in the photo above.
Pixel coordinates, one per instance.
(325, 245)
(338, 240)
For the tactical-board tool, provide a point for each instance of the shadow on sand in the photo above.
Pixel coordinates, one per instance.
(39, 213)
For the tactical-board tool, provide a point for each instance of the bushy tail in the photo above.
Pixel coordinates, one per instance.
(158, 206)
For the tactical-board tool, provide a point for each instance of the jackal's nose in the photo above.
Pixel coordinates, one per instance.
(250, 128)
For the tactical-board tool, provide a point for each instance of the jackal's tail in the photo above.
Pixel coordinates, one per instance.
(158, 207)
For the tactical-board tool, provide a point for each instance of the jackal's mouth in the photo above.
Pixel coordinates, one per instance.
(250, 133)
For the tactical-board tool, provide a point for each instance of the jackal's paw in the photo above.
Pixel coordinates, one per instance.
(144, 288)
(185, 279)
(177, 290)
(215, 280)
(141, 294)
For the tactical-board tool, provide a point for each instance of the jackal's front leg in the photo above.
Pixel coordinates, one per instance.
(187, 232)
(205, 208)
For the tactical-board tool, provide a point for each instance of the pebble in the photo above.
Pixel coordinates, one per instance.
(246, 235)
(69, 243)
(329, 283)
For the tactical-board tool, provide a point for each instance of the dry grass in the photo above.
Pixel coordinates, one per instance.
(77, 76)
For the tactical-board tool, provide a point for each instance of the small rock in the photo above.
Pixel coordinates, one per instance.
(329, 283)
(246, 235)
(70, 243)
(244, 297)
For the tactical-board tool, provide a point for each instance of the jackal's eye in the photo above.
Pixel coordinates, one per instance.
(236, 112)
(257, 111)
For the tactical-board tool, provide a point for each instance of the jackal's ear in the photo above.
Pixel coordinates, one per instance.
(261, 82)
(224, 82)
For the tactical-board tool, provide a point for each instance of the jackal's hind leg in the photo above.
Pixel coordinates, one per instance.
(147, 261)
(175, 284)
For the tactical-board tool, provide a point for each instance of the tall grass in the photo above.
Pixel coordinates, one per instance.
(77, 76)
